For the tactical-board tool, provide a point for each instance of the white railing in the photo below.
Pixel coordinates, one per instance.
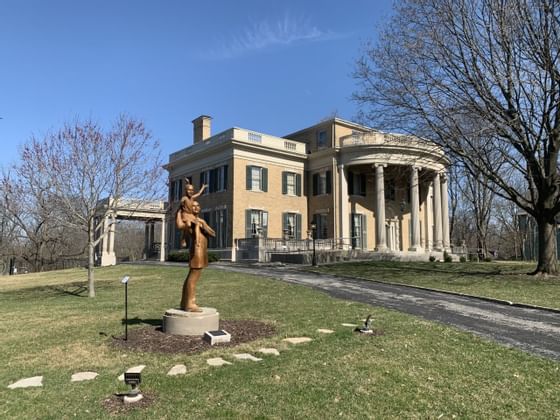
(389, 139)
(242, 135)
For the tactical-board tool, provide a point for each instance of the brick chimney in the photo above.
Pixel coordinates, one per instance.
(202, 128)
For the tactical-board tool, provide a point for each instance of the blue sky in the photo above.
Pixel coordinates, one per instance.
(273, 67)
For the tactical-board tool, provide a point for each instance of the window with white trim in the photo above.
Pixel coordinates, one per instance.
(257, 178)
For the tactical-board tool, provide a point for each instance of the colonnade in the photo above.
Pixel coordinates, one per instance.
(106, 246)
(438, 209)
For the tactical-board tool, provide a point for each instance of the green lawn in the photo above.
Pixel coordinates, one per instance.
(507, 281)
(417, 369)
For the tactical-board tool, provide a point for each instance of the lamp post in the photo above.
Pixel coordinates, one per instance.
(125, 282)
(314, 257)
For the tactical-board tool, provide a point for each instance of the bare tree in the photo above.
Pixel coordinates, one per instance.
(481, 78)
(476, 191)
(33, 216)
(82, 164)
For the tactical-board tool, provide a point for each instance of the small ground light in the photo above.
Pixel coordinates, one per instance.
(134, 379)
(125, 282)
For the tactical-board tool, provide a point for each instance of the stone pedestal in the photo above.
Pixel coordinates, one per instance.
(179, 322)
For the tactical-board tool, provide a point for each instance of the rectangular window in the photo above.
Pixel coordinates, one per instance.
(356, 184)
(218, 179)
(358, 230)
(321, 139)
(217, 220)
(221, 228)
(205, 180)
(291, 183)
(176, 189)
(257, 178)
(291, 225)
(256, 223)
(321, 230)
(322, 183)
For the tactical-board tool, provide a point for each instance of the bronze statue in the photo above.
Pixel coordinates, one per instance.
(186, 206)
(198, 231)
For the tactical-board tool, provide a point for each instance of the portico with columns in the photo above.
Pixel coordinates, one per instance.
(404, 201)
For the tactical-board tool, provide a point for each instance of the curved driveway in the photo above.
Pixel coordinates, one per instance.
(530, 329)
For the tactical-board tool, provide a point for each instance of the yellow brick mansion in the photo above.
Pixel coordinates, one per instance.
(355, 187)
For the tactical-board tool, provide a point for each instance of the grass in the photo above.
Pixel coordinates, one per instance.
(507, 281)
(417, 369)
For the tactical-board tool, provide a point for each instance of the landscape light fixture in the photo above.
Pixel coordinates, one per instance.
(125, 282)
(366, 329)
(134, 379)
(313, 235)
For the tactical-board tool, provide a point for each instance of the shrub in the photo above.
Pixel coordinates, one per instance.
(432, 258)
(183, 256)
(178, 256)
(487, 259)
(462, 259)
(446, 257)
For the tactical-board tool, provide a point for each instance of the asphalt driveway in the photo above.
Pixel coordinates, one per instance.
(530, 329)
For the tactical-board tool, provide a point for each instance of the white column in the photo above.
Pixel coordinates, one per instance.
(146, 239)
(108, 248)
(112, 229)
(429, 221)
(438, 244)
(152, 236)
(105, 233)
(343, 216)
(162, 246)
(445, 213)
(415, 245)
(381, 240)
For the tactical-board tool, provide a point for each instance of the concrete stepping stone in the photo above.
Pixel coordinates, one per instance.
(177, 370)
(269, 351)
(325, 331)
(247, 356)
(297, 340)
(83, 376)
(217, 361)
(344, 324)
(27, 382)
(134, 369)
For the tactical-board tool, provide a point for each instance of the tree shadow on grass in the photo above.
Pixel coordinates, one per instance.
(73, 290)
(438, 269)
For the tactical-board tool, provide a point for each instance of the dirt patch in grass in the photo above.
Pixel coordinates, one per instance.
(115, 404)
(153, 339)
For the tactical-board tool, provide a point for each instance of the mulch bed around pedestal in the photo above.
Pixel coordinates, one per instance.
(153, 339)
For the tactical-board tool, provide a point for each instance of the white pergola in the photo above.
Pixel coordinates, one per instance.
(151, 212)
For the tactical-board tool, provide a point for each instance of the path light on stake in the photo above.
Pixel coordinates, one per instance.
(125, 282)
(366, 329)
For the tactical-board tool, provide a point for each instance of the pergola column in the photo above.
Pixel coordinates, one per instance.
(147, 239)
(108, 241)
(445, 213)
(415, 244)
(343, 219)
(162, 246)
(380, 236)
(438, 234)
